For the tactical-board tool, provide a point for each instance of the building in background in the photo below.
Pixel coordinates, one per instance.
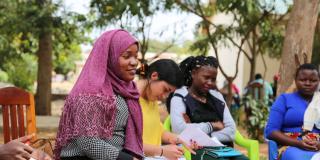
(228, 57)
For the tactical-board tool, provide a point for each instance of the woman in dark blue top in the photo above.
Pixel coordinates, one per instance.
(286, 118)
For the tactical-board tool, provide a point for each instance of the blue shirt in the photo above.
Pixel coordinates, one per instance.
(286, 114)
(267, 87)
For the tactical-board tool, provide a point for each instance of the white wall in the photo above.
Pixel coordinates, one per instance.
(228, 55)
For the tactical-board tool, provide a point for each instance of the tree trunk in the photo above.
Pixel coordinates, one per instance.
(43, 95)
(253, 58)
(253, 67)
(230, 93)
(298, 40)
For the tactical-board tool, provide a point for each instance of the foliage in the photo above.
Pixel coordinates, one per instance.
(126, 12)
(254, 23)
(134, 16)
(3, 76)
(22, 71)
(157, 46)
(200, 46)
(258, 117)
(64, 62)
(67, 37)
(316, 50)
(258, 19)
(316, 45)
(271, 39)
(27, 21)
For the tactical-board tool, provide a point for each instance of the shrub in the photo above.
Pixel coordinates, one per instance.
(257, 117)
(22, 72)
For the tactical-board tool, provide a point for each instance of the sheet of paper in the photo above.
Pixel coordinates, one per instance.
(316, 156)
(160, 158)
(196, 134)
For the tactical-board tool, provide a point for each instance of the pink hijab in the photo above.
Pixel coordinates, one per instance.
(90, 108)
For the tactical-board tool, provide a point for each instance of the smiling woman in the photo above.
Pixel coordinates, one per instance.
(128, 62)
(102, 116)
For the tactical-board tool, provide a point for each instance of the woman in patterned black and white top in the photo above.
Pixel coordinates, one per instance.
(102, 117)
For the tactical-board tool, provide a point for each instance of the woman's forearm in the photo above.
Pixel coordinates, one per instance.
(151, 150)
(226, 134)
(169, 138)
(283, 139)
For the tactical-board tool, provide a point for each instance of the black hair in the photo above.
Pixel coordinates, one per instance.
(167, 70)
(258, 76)
(307, 66)
(192, 63)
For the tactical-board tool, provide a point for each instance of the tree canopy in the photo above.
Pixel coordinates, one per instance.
(134, 16)
(21, 22)
(254, 25)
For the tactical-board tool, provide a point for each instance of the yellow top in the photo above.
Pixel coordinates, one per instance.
(152, 126)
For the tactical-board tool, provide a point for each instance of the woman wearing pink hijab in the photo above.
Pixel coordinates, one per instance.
(102, 117)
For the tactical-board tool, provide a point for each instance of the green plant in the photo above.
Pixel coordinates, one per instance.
(257, 116)
(3, 76)
(64, 62)
(22, 72)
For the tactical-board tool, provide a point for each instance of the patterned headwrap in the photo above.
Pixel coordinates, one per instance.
(90, 108)
(192, 63)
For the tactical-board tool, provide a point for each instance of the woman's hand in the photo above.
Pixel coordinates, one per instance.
(186, 118)
(217, 125)
(318, 145)
(175, 140)
(172, 151)
(16, 149)
(307, 144)
(193, 145)
(311, 142)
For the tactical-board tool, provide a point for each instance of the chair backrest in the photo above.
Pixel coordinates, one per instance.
(167, 124)
(272, 150)
(256, 90)
(15, 102)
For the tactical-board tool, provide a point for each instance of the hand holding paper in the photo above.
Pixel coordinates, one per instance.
(196, 134)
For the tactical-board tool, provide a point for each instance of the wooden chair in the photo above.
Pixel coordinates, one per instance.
(15, 102)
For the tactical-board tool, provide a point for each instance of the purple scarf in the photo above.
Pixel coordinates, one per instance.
(90, 108)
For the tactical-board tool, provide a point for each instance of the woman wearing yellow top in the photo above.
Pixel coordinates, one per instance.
(161, 78)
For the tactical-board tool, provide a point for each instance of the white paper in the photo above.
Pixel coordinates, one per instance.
(196, 134)
(161, 158)
(316, 156)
